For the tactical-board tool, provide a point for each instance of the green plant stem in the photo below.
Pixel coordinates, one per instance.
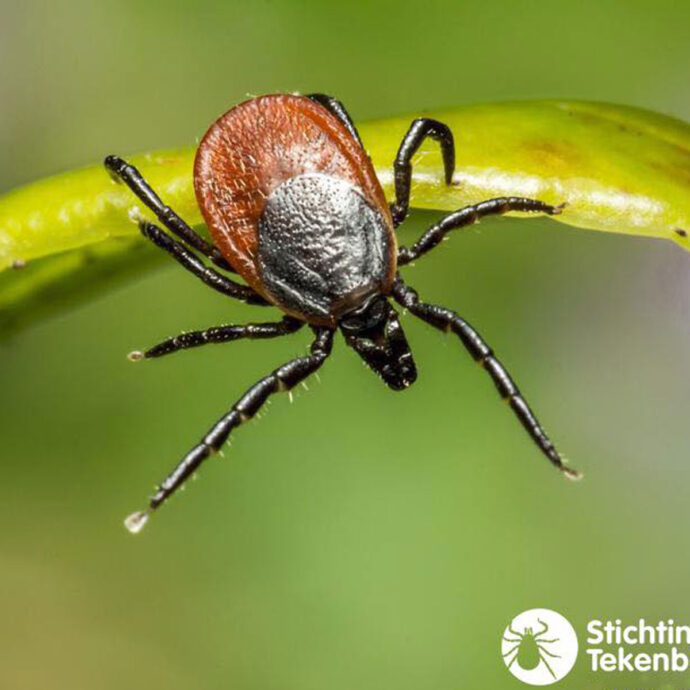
(619, 169)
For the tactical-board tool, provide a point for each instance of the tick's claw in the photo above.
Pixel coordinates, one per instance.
(571, 474)
(114, 165)
(136, 521)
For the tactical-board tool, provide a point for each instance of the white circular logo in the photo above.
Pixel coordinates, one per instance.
(539, 647)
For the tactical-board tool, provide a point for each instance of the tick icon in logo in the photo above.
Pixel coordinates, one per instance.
(539, 647)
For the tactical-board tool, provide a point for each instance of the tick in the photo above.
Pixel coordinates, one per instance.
(530, 648)
(293, 205)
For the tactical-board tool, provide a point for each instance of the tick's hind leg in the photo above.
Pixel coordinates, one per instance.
(447, 321)
(283, 378)
(469, 216)
(546, 663)
(122, 171)
(196, 266)
(335, 107)
(419, 130)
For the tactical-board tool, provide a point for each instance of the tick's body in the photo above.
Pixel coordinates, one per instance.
(530, 648)
(293, 206)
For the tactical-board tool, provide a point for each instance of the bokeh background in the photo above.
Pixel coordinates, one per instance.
(357, 538)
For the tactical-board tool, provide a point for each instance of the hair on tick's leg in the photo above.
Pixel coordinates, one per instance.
(448, 321)
(219, 334)
(196, 266)
(469, 215)
(419, 130)
(284, 378)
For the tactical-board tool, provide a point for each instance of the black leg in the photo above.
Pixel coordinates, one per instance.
(219, 334)
(122, 171)
(282, 379)
(334, 106)
(469, 215)
(447, 321)
(194, 265)
(419, 130)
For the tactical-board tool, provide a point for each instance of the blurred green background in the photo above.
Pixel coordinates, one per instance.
(357, 538)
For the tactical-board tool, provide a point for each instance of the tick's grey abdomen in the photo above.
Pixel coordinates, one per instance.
(322, 246)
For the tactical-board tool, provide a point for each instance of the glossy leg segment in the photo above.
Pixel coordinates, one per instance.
(468, 216)
(448, 321)
(124, 172)
(419, 130)
(334, 106)
(194, 265)
(220, 334)
(283, 378)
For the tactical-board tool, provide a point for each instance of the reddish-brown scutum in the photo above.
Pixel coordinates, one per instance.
(255, 147)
